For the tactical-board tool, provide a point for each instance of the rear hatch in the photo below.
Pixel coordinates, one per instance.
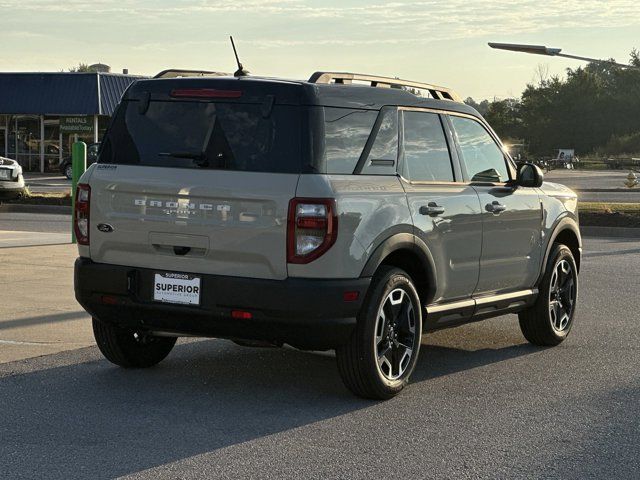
(195, 175)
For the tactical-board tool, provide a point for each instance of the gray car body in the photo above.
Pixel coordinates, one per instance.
(468, 263)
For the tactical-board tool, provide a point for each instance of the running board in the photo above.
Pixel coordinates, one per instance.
(455, 313)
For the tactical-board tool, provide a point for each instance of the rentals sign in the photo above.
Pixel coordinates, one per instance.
(83, 124)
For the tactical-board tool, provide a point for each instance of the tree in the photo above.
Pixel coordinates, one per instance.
(82, 68)
(506, 118)
(481, 107)
(585, 111)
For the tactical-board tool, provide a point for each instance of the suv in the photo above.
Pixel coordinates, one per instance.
(347, 212)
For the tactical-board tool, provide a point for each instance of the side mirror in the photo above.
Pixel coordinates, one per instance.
(529, 175)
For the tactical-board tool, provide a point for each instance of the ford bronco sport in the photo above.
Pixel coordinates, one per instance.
(347, 212)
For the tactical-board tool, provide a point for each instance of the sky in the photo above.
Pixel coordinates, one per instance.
(444, 43)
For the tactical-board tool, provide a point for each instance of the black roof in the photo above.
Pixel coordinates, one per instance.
(295, 92)
(62, 93)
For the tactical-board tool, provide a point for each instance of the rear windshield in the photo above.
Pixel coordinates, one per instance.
(226, 136)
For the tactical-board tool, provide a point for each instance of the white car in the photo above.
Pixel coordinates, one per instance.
(11, 179)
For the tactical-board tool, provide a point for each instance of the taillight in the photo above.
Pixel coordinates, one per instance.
(81, 213)
(312, 228)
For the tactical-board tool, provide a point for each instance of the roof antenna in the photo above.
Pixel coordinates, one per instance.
(241, 72)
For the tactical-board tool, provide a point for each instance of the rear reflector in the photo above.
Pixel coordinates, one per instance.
(109, 300)
(241, 315)
(350, 296)
(205, 93)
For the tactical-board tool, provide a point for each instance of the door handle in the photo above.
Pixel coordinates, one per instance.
(432, 209)
(495, 207)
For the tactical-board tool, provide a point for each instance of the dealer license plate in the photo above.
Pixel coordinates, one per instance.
(179, 288)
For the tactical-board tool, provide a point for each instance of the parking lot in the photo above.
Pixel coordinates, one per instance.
(482, 403)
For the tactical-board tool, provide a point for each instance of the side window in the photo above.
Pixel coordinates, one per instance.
(481, 155)
(345, 134)
(426, 154)
(384, 152)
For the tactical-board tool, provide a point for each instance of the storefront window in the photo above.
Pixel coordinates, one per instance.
(3, 136)
(21, 134)
(52, 144)
(24, 141)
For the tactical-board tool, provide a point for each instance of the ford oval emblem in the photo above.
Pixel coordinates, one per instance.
(105, 228)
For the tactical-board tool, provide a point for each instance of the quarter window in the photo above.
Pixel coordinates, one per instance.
(345, 133)
(384, 151)
(481, 155)
(426, 154)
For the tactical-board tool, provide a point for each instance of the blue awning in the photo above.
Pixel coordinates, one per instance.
(62, 93)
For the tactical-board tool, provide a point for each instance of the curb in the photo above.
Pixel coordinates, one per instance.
(35, 208)
(617, 232)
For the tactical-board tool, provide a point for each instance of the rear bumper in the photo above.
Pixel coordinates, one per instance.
(12, 185)
(305, 313)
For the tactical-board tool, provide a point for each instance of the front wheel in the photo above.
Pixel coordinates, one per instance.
(549, 320)
(68, 171)
(129, 348)
(382, 352)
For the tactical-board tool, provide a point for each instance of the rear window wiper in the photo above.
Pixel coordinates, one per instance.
(192, 155)
(199, 158)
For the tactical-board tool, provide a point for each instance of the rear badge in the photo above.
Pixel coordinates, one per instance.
(105, 228)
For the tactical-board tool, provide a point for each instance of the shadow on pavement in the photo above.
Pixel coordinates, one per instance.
(91, 418)
(42, 319)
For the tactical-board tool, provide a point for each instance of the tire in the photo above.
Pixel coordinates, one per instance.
(373, 363)
(68, 171)
(128, 348)
(549, 321)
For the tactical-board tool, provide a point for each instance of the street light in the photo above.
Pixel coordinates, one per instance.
(550, 52)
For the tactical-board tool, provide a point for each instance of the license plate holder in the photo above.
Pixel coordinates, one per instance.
(177, 288)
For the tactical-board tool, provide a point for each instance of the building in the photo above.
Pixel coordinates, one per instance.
(42, 114)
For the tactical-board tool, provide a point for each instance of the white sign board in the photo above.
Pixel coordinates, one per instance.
(179, 288)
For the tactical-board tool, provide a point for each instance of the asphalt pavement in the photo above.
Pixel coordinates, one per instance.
(483, 403)
(46, 183)
(597, 185)
(29, 229)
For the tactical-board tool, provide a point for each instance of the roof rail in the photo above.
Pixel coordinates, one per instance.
(440, 93)
(176, 72)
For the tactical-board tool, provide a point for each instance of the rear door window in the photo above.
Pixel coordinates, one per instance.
(228, 136)
(426, 155)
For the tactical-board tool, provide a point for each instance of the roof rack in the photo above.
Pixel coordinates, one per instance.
(176, 72)
(440, 93)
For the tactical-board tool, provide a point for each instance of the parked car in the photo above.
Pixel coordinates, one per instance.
(92, 155)
(324, 214)
(11, 180)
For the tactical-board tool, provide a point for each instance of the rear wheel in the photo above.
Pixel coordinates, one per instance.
(549, 320)
(130, 348)
(68, 171)
(382, 352)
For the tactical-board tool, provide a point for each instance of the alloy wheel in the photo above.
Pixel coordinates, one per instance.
(395, 332)
(562, 295)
